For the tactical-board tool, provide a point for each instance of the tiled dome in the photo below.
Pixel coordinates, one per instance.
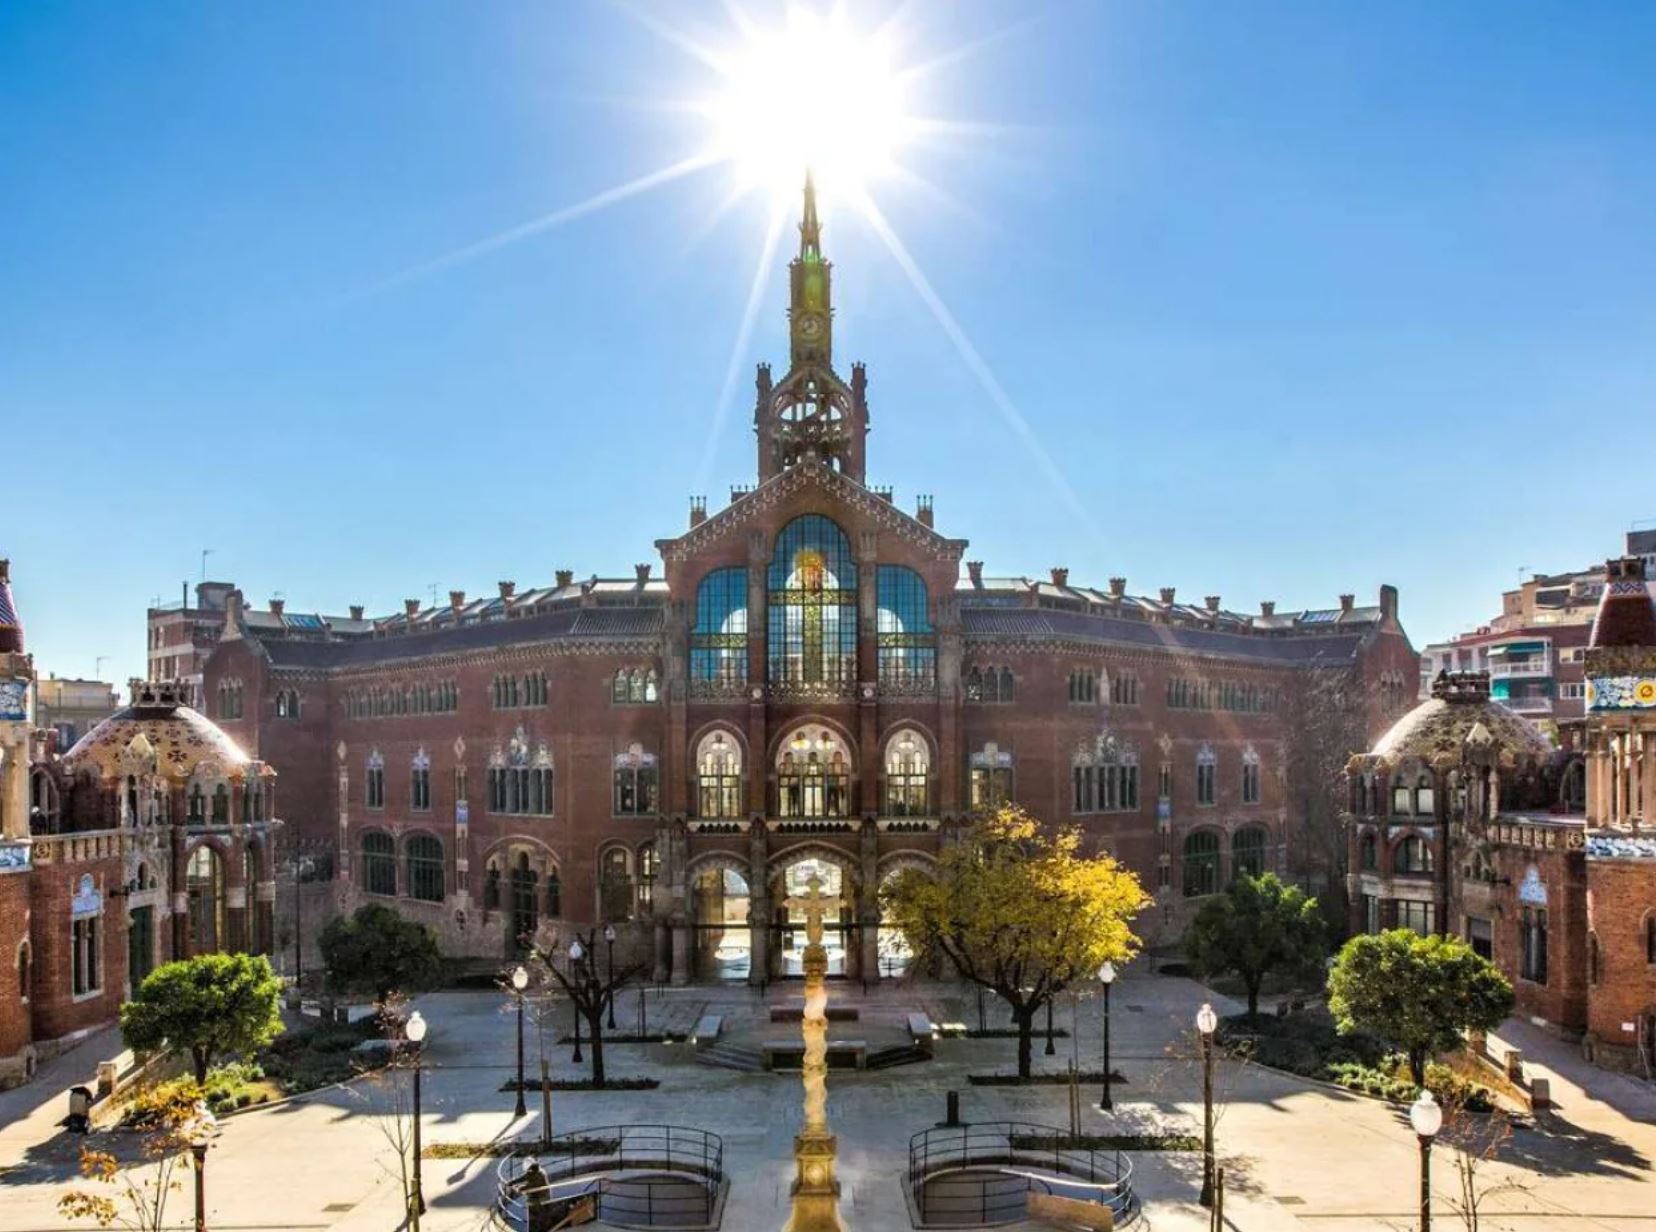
(157, 723)
(11, 624)
(1460, 712)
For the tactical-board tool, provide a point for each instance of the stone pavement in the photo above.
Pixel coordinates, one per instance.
(1297, 1156)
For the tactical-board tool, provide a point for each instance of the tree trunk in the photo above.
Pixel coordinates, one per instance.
(1417, 1066)
(1253, 982)
(595, 1020)
(199, 1058)
(1024, 1016)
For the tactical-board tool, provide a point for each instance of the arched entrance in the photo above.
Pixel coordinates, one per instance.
(722, 947)
(204, 882)
(841, 934)
(895, 956)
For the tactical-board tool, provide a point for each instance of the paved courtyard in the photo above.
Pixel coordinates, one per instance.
(1296, 1155)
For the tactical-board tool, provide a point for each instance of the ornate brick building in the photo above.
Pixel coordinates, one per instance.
(149, 840)
(811, 684)
(1461, 824)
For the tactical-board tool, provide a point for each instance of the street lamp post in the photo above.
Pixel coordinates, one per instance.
(414, 1030)
(1050, 1049)
(577, 952)
(199, 1132)
(1206, 1023)
(1106, 977)
(609, 942)
(1426, 1117)
(520, 981)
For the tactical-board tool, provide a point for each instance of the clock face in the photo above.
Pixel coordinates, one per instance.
(810, 328)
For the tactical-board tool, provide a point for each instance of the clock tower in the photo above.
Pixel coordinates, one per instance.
(811, 412)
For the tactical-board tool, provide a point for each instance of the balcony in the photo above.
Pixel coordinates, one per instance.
(1521, 669)
(1528, 705)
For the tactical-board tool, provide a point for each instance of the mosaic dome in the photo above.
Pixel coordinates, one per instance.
(1460, 712)
(156, 733)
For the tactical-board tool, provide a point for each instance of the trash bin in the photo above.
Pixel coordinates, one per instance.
(80, 1110)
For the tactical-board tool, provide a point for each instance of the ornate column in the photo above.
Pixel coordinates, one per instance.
(868, 902)
(759, 904)
(815, 1188)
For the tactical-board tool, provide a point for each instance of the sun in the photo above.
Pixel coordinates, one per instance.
(810, 93)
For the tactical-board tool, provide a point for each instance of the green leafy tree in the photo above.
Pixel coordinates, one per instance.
(1020, 911)
(376, 952)
(205, 1007)
(1258, 926)
(1419, 992)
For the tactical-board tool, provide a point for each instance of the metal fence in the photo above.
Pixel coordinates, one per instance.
(658, 1176)
(966, 1175)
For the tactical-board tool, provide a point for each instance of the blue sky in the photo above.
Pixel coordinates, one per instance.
(1301, 298)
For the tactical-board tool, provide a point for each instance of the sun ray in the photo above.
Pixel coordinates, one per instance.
(976, 364)
(968, 49)
(546, 222)
(738, 349)
(668, 34)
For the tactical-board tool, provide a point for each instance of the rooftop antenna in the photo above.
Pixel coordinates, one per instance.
(97, 666)
(205, 553)
(432, 587)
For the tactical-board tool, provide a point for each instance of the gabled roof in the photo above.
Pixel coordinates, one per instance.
(809, 473)
(1042, 623)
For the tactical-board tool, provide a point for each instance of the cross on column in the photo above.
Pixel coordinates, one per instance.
(814, 904)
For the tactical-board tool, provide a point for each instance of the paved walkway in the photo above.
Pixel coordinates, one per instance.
(1297, 1156)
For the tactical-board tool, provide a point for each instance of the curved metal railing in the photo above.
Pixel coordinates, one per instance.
(981, 1174)
(656, 1176)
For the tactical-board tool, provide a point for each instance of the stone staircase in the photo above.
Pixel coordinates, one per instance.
(726, 1055)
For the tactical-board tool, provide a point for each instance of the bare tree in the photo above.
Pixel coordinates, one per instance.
(134, 1196)
(1324, 717)
(1475, 1139)
(590, 972)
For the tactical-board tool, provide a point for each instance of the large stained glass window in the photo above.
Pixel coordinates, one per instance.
(719, 643)
(812, 582)
(907, 642)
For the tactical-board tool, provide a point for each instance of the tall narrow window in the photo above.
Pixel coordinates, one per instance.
(908, 762)
(419, 786)
(718, 777)
(373, 783)
(1248, 852)
(991, 778)
(204, 886)
(1201, 863)
(812, 580)
(907, 643)
(1250, 776)
(379, 863)
(1532, 937)
(635, 783)
(425, 868)
(719, 641)
(1207, 776)
(616, 885)
(813, 775)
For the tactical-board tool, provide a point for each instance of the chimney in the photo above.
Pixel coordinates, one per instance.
(1060, 576)
(974, 570)
(457, 600)
(232, 616)
(1167, 596)
(1118, 587)
(1267, 607)
(276, 606)
(411, 608)
(356, 611)
(923, 511)
(698, 511)
(566, 578)
(643, 572)
(1347, 602)
(1388, 603)
(1212, 602)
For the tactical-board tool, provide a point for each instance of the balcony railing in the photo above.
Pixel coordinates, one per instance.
(1522, 668)
(1528, 705)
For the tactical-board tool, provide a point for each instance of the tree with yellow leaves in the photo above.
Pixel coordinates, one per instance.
(134, 1195)
(1017, 909)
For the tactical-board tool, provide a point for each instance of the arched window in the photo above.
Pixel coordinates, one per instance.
(204, 884)
(649, 868)
(491, 886)
(1007, 690)
(1250, 776)
(1368, 852)
(907, 643)
(44, 807)
(718, 776)
(1083, 687)
(519, 785)
(719, 642)
(813, 775)
(1105, 777)
(419, 782)
(636, 781)
(379, 863)
(196, 808)
(991, 778)
(287, 703)
(554, 893)
(1401, 797)
(907, 775)
(373, 783)
(1248, 851)
(1207, 775)
(615, 885)
(425, 868)
(812, 582)
(525, 901)
(1201, 863)
(221, 805)
(25, 971)
(1414, 855)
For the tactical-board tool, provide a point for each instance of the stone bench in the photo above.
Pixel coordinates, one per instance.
(707, 1030)
(857, 1050)
(922, 1032)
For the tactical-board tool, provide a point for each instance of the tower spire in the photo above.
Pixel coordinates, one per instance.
(810, 230)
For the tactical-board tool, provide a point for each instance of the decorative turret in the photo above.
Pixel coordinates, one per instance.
(811, 415)
(11, 624)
